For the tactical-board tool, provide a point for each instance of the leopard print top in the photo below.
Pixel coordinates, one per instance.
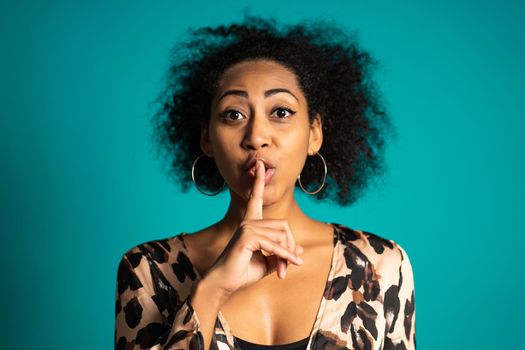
(368, 301)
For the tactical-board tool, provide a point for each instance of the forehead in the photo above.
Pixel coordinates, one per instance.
(258, 73)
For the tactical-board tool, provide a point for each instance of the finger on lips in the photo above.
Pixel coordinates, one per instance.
(256, 199)
(255, 202)
(255, 212)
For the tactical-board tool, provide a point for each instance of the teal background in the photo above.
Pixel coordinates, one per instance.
(80, 183)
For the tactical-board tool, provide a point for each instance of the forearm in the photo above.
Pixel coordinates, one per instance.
(207, 301)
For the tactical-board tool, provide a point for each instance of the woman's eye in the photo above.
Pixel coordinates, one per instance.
(232, 115)
(282, 112)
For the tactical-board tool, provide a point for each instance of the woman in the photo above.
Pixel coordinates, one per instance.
(250, 108)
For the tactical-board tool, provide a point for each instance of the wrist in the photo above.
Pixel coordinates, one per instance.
(210, 291)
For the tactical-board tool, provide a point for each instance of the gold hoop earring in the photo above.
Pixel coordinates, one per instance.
(324, 178)
(195, 183)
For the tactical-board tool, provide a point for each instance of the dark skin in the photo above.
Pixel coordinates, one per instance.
(269, 307)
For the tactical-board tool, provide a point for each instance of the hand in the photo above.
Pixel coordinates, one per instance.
(257, 248)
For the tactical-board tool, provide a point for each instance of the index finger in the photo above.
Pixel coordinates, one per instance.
(255, 203)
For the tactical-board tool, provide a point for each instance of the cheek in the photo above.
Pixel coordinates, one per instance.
(224, 150)
(293, 151)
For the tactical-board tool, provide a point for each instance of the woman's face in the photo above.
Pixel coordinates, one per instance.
(259, 111)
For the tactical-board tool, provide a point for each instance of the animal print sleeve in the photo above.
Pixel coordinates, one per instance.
(140, 323)
(400, 310)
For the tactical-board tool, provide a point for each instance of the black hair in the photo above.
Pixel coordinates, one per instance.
(333, 72)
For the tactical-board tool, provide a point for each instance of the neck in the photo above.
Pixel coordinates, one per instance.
(287, 208)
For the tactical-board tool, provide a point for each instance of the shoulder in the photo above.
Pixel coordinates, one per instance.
(156, 262)
(159, 251)
(367, 247)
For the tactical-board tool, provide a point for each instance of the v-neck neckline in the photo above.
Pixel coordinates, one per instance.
(322, 303)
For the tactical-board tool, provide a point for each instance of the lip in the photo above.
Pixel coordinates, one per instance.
(251, 163)
(268, 174)
(269, 168)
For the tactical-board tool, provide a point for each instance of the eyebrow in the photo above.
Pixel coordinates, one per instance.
(267, 93)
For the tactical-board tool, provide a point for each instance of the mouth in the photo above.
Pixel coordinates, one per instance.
(268, 174)
(250, 169)
(250, 164)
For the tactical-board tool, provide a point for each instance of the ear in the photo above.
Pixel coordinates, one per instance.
(205, 142)
(316, 135)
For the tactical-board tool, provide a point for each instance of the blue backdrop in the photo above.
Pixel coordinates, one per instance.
(80, 183)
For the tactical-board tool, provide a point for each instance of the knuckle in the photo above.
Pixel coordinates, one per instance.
(289, 229)
(246, 224)
(286, 225)
(244, 240)
(283, 238)
(245, 229)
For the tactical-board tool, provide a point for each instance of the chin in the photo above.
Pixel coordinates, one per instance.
(269, 195)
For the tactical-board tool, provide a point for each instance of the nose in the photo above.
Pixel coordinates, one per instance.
(257, 133)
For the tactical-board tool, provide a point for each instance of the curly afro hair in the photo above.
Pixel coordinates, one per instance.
(333, 73)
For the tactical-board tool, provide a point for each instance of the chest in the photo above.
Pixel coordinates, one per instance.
(275, 311)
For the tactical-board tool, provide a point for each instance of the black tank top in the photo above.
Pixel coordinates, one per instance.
(298, 345)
